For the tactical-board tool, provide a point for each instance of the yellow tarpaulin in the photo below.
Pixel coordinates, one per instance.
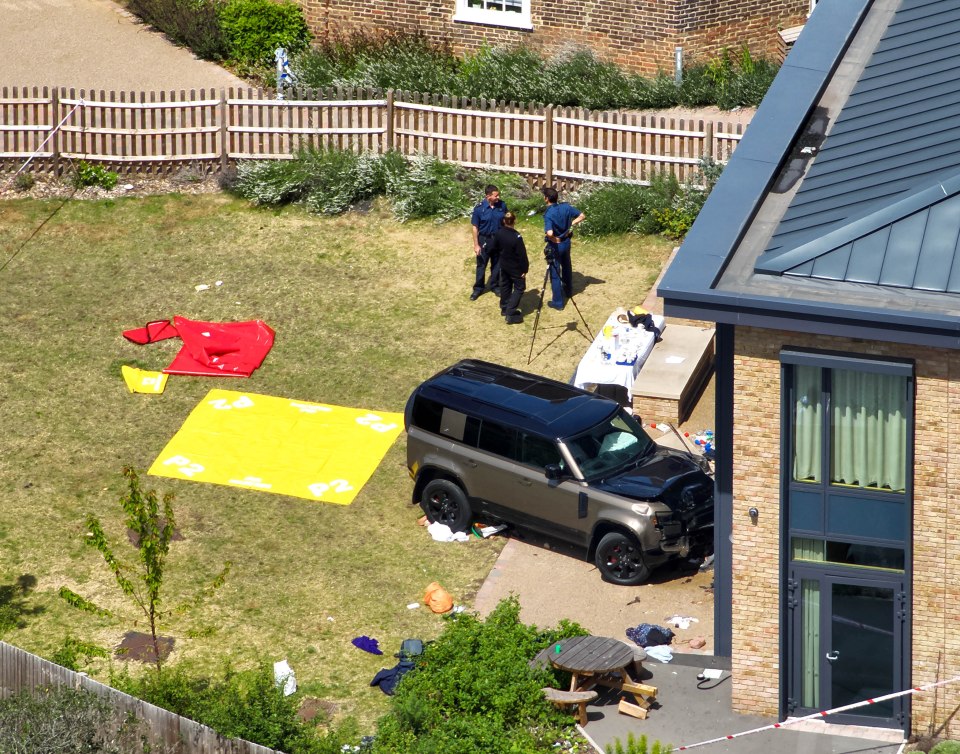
(142, 381)
(310, 450)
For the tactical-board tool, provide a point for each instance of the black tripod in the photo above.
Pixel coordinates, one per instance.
(552, 264)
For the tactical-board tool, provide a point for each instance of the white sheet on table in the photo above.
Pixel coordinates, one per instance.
(594, 370)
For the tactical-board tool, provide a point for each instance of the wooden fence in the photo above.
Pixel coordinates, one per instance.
(210, 130)
(168, 733)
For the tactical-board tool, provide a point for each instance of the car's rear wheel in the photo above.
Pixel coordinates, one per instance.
(445, 502)
(620, 560)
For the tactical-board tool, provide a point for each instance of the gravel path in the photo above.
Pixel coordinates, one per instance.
(94, 44)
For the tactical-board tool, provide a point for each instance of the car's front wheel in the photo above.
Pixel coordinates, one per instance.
(620, 560)
(445, 502)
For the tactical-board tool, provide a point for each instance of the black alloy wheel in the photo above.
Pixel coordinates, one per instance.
(620, 560)
(445, 502)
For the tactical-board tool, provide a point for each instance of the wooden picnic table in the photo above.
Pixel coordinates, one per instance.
(591, 658)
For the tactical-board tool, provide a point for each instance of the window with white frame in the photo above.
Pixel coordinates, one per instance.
(512, 13)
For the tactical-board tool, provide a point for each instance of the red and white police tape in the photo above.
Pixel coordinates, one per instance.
(822, 714)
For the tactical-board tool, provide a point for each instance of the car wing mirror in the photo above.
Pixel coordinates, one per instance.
(553, 472)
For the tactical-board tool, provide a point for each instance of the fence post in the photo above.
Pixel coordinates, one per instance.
(548, 148)
(390, 111)
(708, 139)
(223, 130)
(55, 136)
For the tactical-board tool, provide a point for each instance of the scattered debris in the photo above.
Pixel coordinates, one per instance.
(437, 598)
(648, 635)
(413, 606)
(697, 642)
(681, 621)
(367, 645)
(660, 653)
(443, 533)
(283, 676)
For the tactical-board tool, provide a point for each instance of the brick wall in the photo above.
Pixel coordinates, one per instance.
(936, 555)
(640, 35)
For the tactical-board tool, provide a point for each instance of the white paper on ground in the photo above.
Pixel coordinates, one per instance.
(283, 676)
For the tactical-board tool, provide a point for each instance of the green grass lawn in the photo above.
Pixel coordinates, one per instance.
(363, 308)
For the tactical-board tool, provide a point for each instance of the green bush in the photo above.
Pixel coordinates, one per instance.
(239, 704)
(193, 23)
(611, 208)
(65, 721)
(253, 29)
(574, 77)
(86, 174)
(325, 179)
(24, 181)
(74, 653)
(946, 747)
(511, 74)
(473, 691)
(580, 79)
(428, 189)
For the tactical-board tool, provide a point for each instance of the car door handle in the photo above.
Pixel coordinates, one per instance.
(525, 482)
(833, 656)
(472, 463)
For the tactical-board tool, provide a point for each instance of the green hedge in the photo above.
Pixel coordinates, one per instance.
(242, 32)
(405, 61)
(473, 691)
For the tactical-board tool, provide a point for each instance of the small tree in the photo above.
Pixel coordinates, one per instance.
(142, 583)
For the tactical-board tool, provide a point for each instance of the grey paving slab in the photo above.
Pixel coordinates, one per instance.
(685, 715)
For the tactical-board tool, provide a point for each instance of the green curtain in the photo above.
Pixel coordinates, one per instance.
(807, 424)
(810, 670)
(808, 549)
(869, 430)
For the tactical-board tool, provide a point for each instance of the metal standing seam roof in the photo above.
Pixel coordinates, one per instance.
(880, 204)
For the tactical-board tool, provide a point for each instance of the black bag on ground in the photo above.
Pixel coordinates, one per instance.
(388, 678)
(649, 635)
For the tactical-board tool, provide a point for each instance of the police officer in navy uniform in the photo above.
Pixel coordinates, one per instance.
(486, 221)
(514, 265)
(559, 220)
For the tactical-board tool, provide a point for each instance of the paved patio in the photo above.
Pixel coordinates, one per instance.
(685, 715)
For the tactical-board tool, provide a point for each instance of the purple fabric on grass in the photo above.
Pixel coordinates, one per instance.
(367, 645)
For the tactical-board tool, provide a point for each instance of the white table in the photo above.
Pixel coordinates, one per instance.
(595, 370)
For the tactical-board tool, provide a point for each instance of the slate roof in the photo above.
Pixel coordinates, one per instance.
(867, 210)
(839, 212)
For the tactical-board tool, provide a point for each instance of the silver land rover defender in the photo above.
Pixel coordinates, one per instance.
(492, 443)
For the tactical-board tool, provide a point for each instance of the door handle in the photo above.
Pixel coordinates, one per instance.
(525, 482)
(472, 463)
(833, 656)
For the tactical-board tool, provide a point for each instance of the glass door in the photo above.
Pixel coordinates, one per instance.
(847, 646)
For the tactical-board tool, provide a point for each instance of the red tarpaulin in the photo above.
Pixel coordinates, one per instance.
(226, 349)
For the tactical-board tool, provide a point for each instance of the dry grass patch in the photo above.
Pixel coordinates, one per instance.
(364, 309)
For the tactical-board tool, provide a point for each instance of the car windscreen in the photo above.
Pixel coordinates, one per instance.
(610, 446)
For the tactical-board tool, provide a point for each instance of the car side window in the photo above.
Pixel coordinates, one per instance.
(495, 438)
(426, 414)
(538, 451)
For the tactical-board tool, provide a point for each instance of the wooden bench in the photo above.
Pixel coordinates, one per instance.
(568, 698)
(644, 696)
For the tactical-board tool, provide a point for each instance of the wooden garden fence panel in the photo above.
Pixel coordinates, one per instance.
(162, 132)
(21, 671)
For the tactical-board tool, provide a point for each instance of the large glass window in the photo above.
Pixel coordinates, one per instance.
(868, 422)
(867, 431)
